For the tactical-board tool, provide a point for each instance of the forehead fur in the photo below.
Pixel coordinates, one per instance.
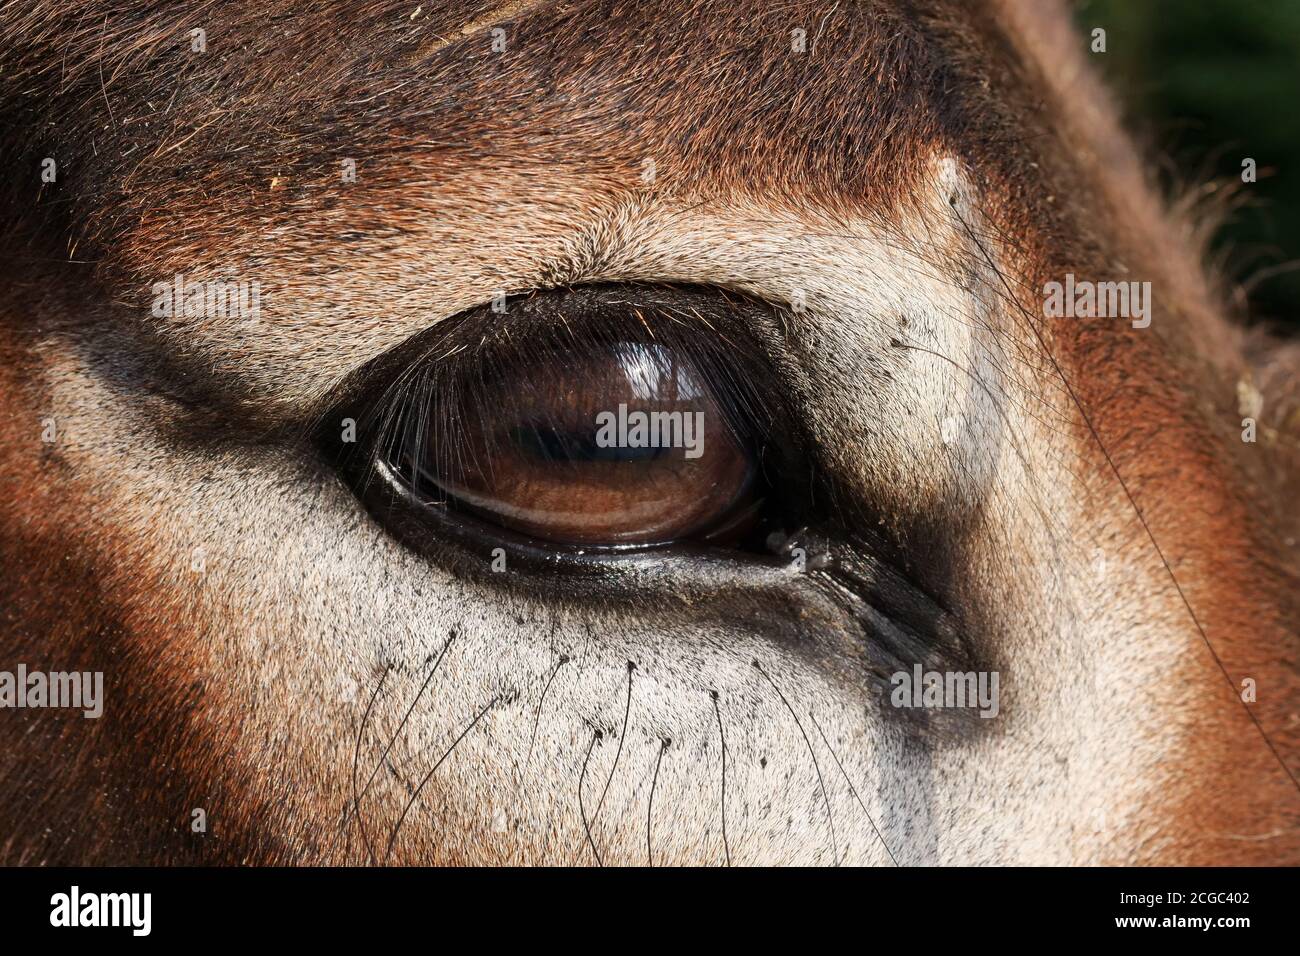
(495, 148)
(840, 106)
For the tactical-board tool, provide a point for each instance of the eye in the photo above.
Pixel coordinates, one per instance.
(587, 420)
(533, 434)
(621, 444)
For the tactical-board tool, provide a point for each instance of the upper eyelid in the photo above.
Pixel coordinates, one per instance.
(741, 323)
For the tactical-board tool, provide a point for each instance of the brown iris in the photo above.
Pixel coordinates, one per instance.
(627, 445)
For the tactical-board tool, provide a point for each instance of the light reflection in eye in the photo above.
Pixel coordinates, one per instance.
(653, 374)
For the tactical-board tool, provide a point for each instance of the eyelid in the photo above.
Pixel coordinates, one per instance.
(856, 615)
(745, 334)
(748, 326)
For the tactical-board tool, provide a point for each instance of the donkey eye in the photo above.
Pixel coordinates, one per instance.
(580, 421)
(624, 445)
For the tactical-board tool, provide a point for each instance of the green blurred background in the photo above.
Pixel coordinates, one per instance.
(1208, 83)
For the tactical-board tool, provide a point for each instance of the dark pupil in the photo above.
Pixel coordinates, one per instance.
(553, 444)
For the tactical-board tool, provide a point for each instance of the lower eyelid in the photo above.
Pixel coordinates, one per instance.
(435, 530)
(820, 613)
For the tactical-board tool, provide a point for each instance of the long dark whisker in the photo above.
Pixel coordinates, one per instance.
(537, 716)
(812, 753)
(649, 849)
(392, 838)
(852, 789)
(622, 736)
(356, 760)
(726, 846)
(361, 823)
(582, 810)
